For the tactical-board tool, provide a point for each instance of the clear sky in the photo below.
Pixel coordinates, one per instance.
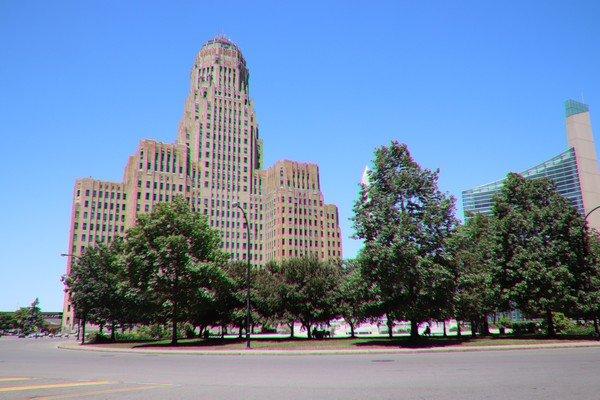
(475, 90)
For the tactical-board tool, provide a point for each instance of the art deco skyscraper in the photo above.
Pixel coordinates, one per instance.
(215, 162)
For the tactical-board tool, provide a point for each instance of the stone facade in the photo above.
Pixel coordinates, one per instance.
(215, 162)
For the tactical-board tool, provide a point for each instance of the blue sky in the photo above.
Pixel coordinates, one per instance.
(475, 89)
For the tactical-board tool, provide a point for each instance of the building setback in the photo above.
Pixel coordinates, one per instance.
(574, 171)
(215, 162)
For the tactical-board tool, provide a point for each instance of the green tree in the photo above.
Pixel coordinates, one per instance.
(95, 285)
(236, 271)
(405, 222)
(81, 286)
(169, 251)
(308, 290)
(7, 321)
(540, 248)
(214, 300)
(471, 248)
(270, 296)
(355, 296)
(588, 284)
(29, 319)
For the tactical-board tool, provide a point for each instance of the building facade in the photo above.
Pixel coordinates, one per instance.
(574, 171)
(215, 162)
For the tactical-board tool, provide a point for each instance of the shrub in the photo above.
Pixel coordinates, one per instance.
(562, 324)
(268, 329)
(521, 328)
(580, 330)
(153, 332)
(96, 337)
(189, 331)
(566, 326)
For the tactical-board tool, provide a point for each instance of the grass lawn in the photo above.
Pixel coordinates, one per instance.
(344, 343)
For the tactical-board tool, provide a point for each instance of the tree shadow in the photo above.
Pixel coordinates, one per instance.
(422, 342)
(217, 342)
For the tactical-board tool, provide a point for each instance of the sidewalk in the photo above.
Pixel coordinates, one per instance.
(250, 352)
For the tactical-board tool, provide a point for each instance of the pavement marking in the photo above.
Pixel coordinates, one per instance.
(98, 392)
(51, 386)
(14, 379)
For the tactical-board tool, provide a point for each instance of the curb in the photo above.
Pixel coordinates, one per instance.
(396, 351)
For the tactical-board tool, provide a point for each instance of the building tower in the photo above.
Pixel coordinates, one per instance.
(215, 162)
(580, 138)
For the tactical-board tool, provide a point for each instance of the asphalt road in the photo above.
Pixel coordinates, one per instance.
(35, 368)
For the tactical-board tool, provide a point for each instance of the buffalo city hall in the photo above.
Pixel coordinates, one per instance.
(215, 162)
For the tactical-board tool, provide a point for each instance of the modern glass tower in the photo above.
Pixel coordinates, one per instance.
(574, 171)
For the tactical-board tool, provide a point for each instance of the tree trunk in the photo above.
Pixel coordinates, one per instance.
(414, 329)
(113, 327)
(473, 329)
(292, 330)
(352, 335)
(240, 332)
(458, 334)
(174, 332)
(101, 329)
(485, 326)
(596, 328)
(444, 325)
(222, 332)
(308, 332)
(390, 326)
(83, 331)
(550, 321)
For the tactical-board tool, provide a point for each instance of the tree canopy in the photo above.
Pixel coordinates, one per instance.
(405, 221)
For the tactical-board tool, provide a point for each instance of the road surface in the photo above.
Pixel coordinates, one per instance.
(35, 368)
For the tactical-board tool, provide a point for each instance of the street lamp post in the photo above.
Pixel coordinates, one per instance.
(80, 322)
(591, 211)
(234, 205)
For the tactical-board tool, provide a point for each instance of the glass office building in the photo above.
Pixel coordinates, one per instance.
(574, 171)
(562, 170)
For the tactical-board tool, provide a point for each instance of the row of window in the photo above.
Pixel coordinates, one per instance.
(107, 194)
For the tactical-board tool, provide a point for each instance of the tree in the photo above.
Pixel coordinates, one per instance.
(588, 284)
(471, 249)
(405, 222)
(540, 248)
(7, 321)
(95, 286)
(29, 319)
(214, 300)
(354, 297)
(270, 296)
(81, 285)
(168, 252)
(308, 290)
